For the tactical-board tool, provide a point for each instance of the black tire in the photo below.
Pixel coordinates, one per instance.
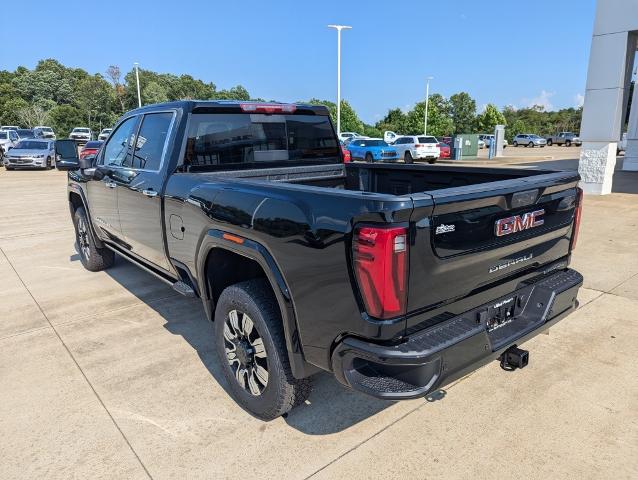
(369, 158)
(568, 143)
(407, 157)
(281, 392)
(8, 169)
(515, 143)
(49, 164)
(93, 258)
(432, 161)
(549, 142)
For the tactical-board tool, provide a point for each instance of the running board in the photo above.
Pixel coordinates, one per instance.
(184, 289)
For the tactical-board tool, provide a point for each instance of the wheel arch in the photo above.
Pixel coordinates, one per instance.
(222, 262)
(77, 200)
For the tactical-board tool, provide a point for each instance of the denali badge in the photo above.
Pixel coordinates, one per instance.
(444, 229)
(512, 262)
(518, 223)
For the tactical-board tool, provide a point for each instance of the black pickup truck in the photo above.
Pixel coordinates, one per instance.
(396, 278)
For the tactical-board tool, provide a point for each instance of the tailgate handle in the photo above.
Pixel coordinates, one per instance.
(522, 199)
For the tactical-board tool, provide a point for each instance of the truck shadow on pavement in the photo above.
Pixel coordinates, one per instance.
(331, 407)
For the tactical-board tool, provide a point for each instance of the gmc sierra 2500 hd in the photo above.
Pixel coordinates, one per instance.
(396, 278)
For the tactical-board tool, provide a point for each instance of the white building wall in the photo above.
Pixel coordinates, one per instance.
(611, 60)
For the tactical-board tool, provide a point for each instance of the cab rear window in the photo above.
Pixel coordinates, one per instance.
(234, 141)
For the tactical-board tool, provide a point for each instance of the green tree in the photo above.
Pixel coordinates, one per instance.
(350, 122)
(154, 92)
(489, 118)
(64, 118)
(95, 99)
(236, 93)
(394, 121)
(463, 112)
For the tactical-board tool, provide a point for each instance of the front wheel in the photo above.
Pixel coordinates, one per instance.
(530, 144)
(568, 143)
(92, 257)
(49, 164)
(251, 348)
(549, 142)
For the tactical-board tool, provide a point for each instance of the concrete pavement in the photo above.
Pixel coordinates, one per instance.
(112, 375)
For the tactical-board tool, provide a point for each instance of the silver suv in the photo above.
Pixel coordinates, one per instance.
(529, 140)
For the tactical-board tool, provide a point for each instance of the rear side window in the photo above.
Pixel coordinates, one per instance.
(236, 141)
(151, 139)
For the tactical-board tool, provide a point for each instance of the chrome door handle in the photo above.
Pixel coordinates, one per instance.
(110, 184)
(150, 193)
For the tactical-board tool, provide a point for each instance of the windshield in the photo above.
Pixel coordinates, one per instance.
(107, 130)
(46, 129)
(81, 130)
(25, 133)
(428, 140)
(242, 141)
(31, 145)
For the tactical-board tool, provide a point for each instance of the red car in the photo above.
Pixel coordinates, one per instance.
(446, 151)
(347, 157)
(90, 148)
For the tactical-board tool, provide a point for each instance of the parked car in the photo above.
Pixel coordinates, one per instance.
(90, 148)
(372, 150)
(487, 139)
(529, 140)
(347, 157)
(417, 147)
(481, 143)
(104, 134)
(44, 132)
(349, 140)
(81, 135)
(397, 279)
(25, 133)
(390, 137)
(445, 150)
(8, 140)
(31, 153)
(564, 138)
(9, 127)
(348, 135)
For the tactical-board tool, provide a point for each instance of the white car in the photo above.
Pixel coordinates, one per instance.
(417, 147)
(487, 140)
(45, 132)
(104, 134)
(343, 136)
(9, 127)
(8, 139)
(81, 134)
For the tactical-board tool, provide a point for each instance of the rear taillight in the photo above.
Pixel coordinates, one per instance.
(268, 107)
(418, 145)
(577, 216)
(381, 267)
(347, 156)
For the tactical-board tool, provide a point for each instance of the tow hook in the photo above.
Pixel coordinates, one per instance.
(514, 358)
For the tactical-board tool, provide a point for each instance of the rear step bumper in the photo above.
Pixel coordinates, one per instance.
(436, 356)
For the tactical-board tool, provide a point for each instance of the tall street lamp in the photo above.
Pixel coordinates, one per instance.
(427, 102)
(339, 28)
(137, 79)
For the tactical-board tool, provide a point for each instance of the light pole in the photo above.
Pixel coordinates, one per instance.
(427, 102)
(137, 79)
(339, 28)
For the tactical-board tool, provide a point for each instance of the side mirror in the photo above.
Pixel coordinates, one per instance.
(87, 162)
(66, 155)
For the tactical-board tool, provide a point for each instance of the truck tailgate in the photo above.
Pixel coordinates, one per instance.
(481, 235)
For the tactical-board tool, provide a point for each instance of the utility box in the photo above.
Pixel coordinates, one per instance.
(465, 145)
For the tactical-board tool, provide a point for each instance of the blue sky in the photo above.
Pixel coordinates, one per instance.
(501, 51)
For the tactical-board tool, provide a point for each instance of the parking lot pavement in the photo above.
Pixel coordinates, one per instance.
(112, 375)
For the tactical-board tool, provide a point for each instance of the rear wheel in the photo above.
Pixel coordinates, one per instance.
(407, 158)
(92, 257)
(251, 348)
(515, 143)
(432, 161)
(369, 158)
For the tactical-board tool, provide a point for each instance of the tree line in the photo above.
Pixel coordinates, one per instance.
(63, 98)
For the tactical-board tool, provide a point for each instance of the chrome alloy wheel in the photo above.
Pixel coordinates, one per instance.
(83, 238)
(245, 352)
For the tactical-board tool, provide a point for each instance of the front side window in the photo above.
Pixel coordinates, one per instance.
(117, 147)
(150, 142)
(235, 141)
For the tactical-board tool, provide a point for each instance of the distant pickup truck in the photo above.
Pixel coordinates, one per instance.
(396, 278)
(564, 138)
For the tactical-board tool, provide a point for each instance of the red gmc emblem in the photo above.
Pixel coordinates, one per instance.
(518, 223)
